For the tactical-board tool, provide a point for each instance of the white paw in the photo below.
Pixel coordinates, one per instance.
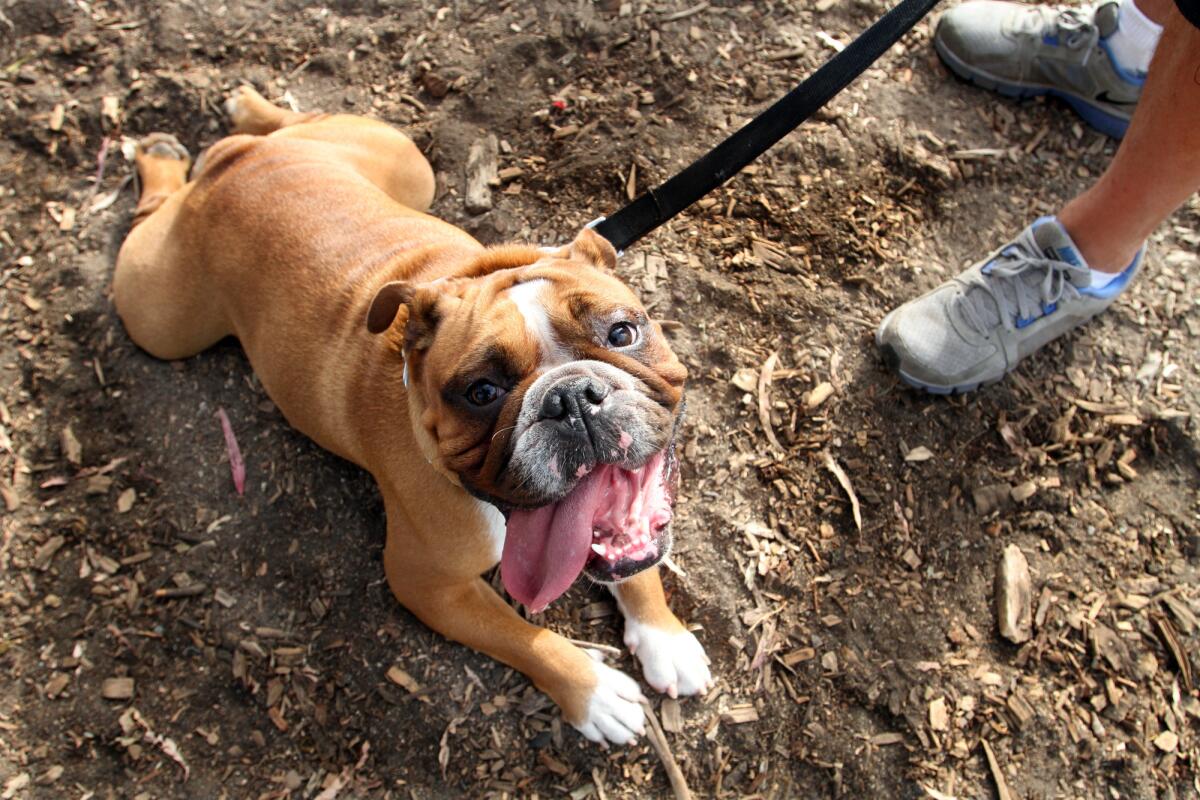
(673, 663)
(614, 711)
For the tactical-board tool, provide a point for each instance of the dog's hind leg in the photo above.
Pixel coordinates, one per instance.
(379, 152)
(166, 305)
(252, 113)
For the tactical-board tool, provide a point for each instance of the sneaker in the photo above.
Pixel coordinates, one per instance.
(1024, 51)
(974, 329)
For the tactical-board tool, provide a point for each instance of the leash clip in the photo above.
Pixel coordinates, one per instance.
(594, 224)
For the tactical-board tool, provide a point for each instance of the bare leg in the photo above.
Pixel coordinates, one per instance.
(1156, 10)
(1157, 167)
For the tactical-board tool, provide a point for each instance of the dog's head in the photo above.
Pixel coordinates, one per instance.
(547, 390)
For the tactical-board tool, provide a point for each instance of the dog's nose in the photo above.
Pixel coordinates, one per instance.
(572, 398)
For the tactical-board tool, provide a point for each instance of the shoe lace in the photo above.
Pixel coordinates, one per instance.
(1019, 285)
(1075, 27)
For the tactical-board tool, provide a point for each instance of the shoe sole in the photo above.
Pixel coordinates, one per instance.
(892, 359)
(1097, 117)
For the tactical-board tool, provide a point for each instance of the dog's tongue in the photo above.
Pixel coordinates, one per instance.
(545, 549)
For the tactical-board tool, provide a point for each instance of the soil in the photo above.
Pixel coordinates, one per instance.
(260, 638)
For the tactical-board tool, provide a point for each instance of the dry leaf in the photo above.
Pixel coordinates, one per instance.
(844, 480)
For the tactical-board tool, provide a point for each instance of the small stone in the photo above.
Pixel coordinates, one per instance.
(1166, 741)
(918, 454)
(1014, 596)
(1023, 491)
(126, 500)
(989, 498)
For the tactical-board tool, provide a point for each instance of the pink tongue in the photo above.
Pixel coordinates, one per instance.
(545, 549)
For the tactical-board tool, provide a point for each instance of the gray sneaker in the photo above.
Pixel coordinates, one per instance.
(974, 329)
(1023, 51)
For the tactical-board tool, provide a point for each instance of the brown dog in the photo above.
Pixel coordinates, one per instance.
(515, 404)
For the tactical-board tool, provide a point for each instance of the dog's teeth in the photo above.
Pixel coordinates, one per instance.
(599, 548)
(596, 533)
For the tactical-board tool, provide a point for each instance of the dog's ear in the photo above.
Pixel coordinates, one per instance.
(416, 307)
(593, 248)
(387, 303)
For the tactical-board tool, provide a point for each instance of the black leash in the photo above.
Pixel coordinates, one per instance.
(660, 204)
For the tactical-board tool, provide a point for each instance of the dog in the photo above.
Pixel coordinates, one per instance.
(515, 404)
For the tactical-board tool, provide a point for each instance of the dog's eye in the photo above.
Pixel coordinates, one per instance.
(483, 393)
(623, 334)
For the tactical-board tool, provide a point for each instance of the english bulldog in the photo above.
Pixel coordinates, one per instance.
(515, 404)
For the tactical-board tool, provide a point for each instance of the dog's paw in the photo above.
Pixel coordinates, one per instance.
(614, 711)
(162, 145)
(673, 663)
(242, 104)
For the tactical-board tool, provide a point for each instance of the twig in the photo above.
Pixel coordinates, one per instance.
(997, 775)
(844, 480)
(173, 592)
(658, 740)
(675, 16)
(603, 648)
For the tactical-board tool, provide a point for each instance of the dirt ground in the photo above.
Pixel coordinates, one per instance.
(164, 637)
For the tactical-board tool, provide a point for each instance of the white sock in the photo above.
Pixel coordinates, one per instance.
(1102, 279)
(1132, 43)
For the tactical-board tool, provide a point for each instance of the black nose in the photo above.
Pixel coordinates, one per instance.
(571, 398)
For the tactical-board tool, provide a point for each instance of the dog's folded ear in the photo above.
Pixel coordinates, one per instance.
(416, 307)
(387, 303)
(593, 248)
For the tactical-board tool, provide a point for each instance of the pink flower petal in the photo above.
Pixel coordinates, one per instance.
(236, 464)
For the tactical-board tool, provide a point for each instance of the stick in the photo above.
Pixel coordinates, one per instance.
(997, 775)
(658, 740)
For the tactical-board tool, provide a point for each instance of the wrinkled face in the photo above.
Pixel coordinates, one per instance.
(548, 391)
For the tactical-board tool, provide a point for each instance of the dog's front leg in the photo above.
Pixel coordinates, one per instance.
(673, 661)
(602, 703)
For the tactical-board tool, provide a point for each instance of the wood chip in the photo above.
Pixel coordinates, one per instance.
(45, 554)
(885, 739)
(1014, 596)
(740, 713)
(939, 718)
(798, 656)
(481, 173)
(57, 685)
(819, 394)
(117, 688)
(71, 449)
(672, 715)
(403, 679)
(844, 480)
